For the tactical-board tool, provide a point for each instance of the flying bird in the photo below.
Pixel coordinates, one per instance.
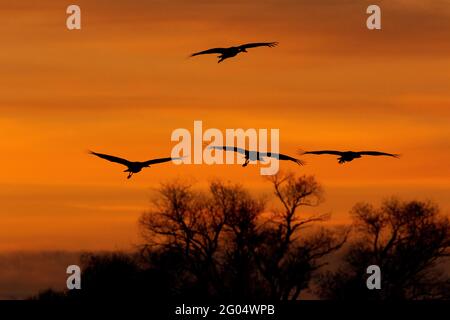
(256, 155)
(225, 53)
(132, 166)
(347, 156)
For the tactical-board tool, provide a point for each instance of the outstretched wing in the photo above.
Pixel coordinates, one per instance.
(337, 153)
(159, 160)
(209, 51)
(377, 153)
(227, 148)
(281, 156)
(258, 44)
(111, 158)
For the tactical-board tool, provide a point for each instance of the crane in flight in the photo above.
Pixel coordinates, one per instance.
(132, 166)
(256, 155)
(225, 53)
(347, 156)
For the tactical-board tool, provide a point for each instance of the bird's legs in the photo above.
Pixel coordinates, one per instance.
(247, 160)
(221, 58)
(130, 174)
(342, 160)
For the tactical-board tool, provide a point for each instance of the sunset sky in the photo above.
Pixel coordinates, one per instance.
(124, 82)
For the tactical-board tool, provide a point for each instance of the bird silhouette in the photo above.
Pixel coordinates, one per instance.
(225, 53)
(347, 156)
(256, 155)
(132, 166)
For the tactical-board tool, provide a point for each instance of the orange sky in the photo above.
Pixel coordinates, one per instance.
(124, 82)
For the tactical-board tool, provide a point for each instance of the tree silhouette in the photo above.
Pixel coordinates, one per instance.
(229, 244)
(115, 276)
(225, 243)
(407, 240)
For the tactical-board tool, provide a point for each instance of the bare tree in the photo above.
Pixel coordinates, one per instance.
(232, 246)
(208, 229)
(407, 240)
(286, 258)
